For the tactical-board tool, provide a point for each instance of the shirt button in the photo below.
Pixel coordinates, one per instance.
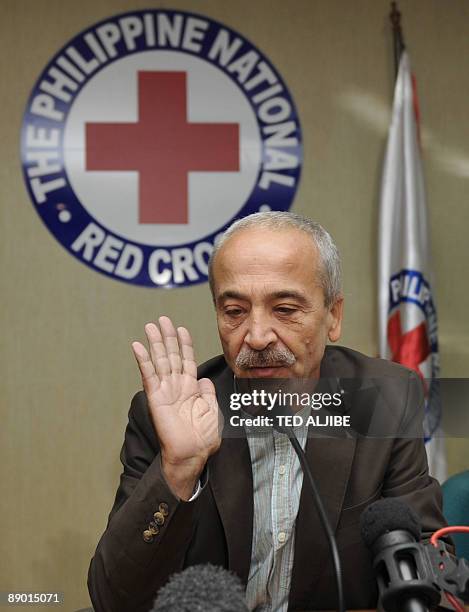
(281, 470)
(282, 536)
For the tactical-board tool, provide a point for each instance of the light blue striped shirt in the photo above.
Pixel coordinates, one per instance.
(277, 481)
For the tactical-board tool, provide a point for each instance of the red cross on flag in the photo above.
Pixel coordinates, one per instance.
(407, 314)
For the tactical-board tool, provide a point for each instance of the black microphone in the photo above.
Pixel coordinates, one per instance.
(201, 588)
(391, 530)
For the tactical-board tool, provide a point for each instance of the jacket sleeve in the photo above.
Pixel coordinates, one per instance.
(129, 566)
(407, 474)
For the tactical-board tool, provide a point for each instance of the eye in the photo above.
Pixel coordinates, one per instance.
(286, 310)
(233, 312)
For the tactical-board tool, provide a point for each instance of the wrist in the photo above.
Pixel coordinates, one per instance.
(182, 476)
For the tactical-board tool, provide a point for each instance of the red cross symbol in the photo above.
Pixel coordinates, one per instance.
(409, 349)
(163, 147)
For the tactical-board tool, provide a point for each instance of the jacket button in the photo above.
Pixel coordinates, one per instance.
(147, 535)
(153, 528)
(164, 509)
(159, 518)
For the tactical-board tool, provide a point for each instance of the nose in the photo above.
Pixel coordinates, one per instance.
(260, 333)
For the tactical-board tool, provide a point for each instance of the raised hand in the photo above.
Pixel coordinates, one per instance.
(184, 410)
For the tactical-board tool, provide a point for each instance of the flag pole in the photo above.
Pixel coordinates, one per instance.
(398, 38)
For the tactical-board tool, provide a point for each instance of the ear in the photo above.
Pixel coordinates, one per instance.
(335, 315)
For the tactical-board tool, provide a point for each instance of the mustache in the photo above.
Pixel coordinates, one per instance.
(267, 358)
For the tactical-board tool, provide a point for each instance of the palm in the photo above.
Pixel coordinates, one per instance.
(184, 410)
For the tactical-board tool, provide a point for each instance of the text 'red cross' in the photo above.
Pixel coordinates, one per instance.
(162, 147)
(409, 349)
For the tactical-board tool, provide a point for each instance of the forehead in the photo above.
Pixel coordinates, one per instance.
(259, 260)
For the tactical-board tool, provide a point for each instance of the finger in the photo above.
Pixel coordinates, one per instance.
(187, 350)
(150, 379)
(171, 344)
(157, 350)
(200, 408)
(207, 391)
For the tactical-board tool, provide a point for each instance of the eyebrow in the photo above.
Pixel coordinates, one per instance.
(290, 294)
(230, 294)
(277, 295)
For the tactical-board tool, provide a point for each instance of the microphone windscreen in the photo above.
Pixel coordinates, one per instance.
(201, 588)
(387, 515)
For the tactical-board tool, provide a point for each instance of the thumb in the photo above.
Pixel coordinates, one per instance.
(207, 389)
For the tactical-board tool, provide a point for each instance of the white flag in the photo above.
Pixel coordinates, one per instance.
(407, 314)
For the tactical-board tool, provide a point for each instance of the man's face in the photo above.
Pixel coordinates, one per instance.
(270, 307)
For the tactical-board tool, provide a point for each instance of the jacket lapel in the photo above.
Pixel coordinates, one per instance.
(330, 460)
(231, 482)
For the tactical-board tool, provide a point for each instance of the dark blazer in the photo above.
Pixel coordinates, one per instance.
(351, 472)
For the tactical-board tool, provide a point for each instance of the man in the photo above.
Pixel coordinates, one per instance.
(190, 495)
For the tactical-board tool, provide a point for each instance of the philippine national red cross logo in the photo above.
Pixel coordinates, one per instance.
(147, 134)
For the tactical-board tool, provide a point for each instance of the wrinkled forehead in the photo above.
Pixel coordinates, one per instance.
(264, 261)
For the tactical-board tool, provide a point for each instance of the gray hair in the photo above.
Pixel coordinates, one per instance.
(330, 272)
